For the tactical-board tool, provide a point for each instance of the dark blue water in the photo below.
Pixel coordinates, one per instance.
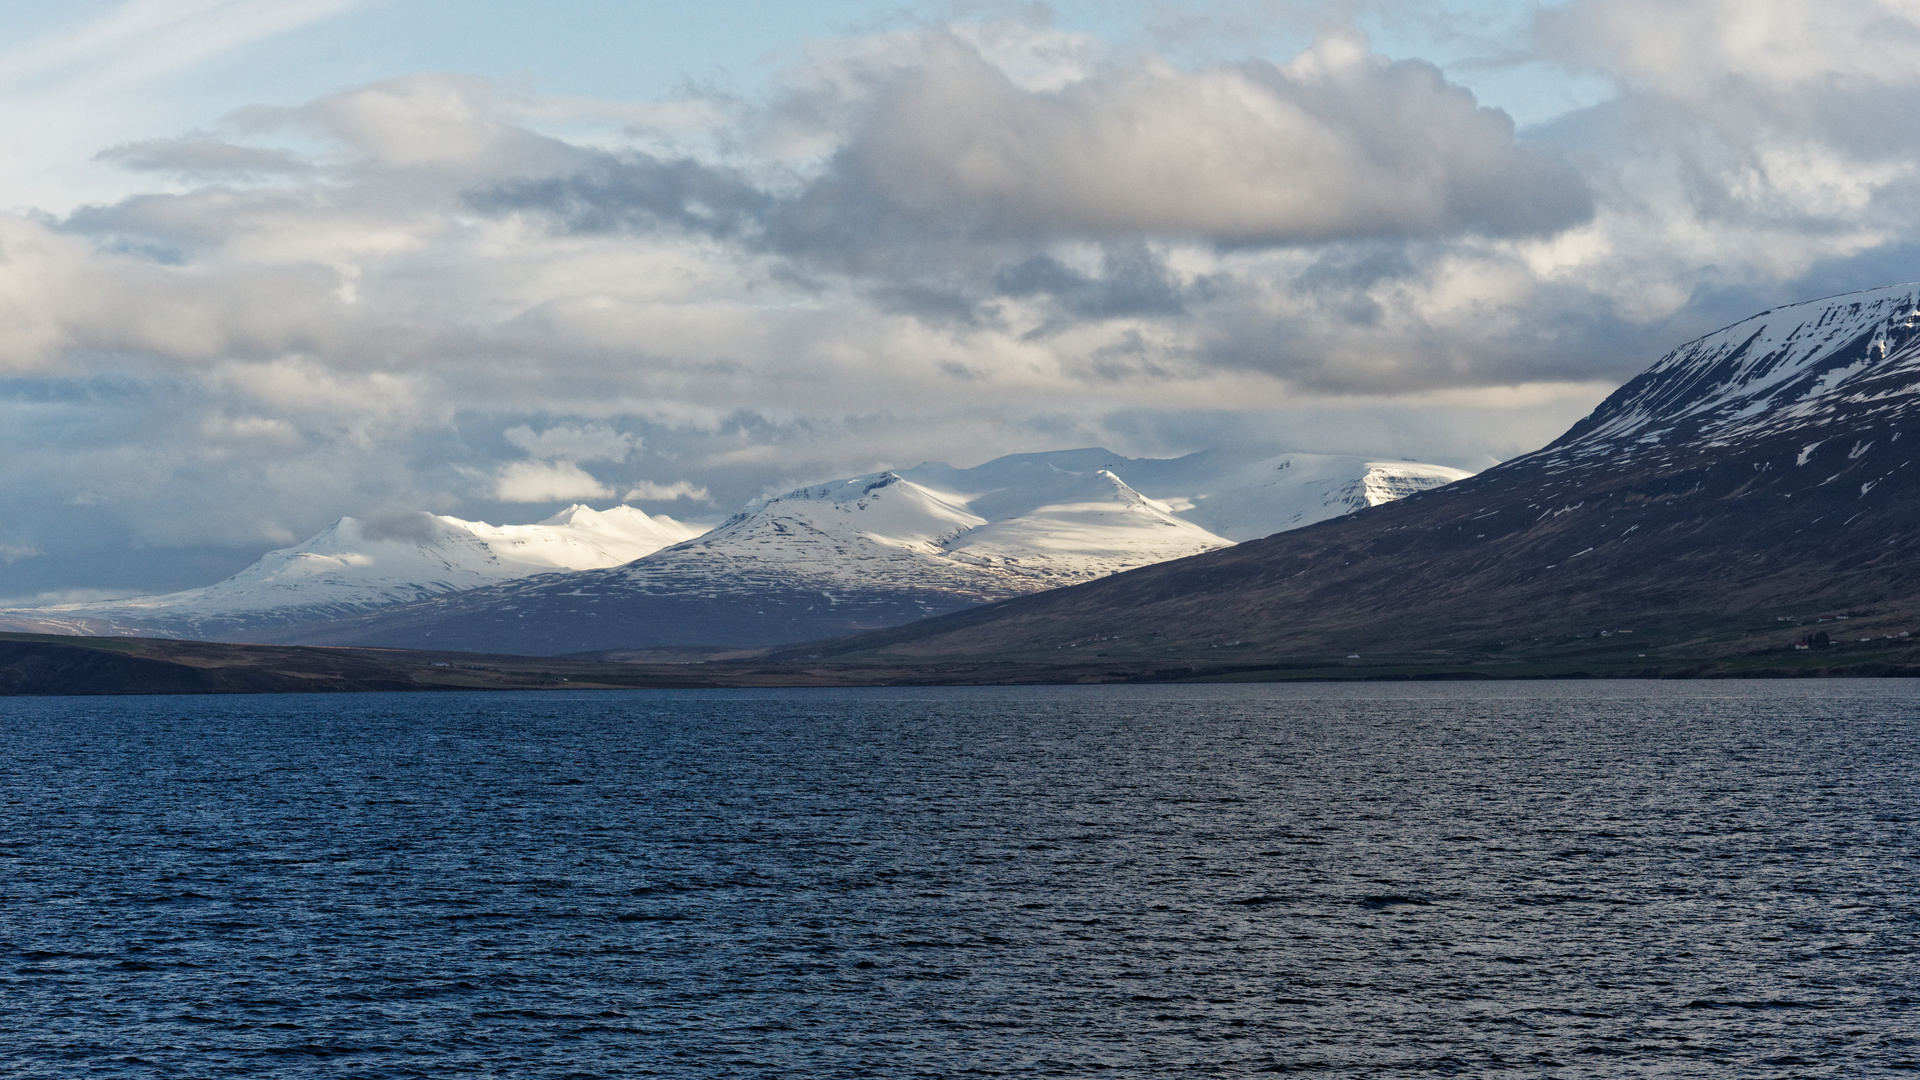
(1561, 879)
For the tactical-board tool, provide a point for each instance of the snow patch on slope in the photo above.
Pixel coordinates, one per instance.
(1787, 367)
(355, 565)
(884, 532)
(932, 537)
(1109, 527)
(1292, 491)
(1017, 524)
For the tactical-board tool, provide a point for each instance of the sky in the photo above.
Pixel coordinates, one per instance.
(264, 263)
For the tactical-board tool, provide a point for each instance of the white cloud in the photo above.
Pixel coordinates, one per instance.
(1337, 143)
(592, 442)
(12, 553)
(66, 596)
(1722, 53)
(936, 245)
(138, 39)
(648, 491)
(547, 481)
(203, 156)
(421, 124)
(73, 92)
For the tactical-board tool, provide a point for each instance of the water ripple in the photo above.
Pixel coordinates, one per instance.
(1575, 879)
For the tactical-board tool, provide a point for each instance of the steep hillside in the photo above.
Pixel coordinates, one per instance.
(1748, 485)
(889, 548)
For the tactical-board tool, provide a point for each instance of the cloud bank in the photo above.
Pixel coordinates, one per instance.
(1335, 145)
(440, 293)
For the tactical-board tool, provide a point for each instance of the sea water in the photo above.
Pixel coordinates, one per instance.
(1532, 879)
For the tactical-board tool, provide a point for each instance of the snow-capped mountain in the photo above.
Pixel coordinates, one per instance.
(889, 547)
(1230, 497)
(353, 566)
(884, 532)
(1260, 498)
(1842, 361)
(1761, 477)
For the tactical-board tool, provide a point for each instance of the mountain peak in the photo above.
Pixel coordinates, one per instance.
(1801, 365)
(870, 550)
(360, 563)
(1750, 481)
(576, 513)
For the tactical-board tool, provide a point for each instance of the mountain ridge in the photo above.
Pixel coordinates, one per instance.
(837, 557)
(1748, 483)
(886, 548)
(355, 565)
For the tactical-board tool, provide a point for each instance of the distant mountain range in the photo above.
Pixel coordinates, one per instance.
(1749, 504)
(354, 566)
(828, 559)
(1754, 491)
(889, 548)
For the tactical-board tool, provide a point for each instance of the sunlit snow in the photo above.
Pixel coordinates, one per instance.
(354, 565)
(1011, 526)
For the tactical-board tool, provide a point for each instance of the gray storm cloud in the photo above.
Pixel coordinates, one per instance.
(1784, 115)
(1338, 144)
(448, 296)
(203, 156)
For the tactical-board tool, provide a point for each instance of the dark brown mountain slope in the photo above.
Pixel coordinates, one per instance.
(1752, 481)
